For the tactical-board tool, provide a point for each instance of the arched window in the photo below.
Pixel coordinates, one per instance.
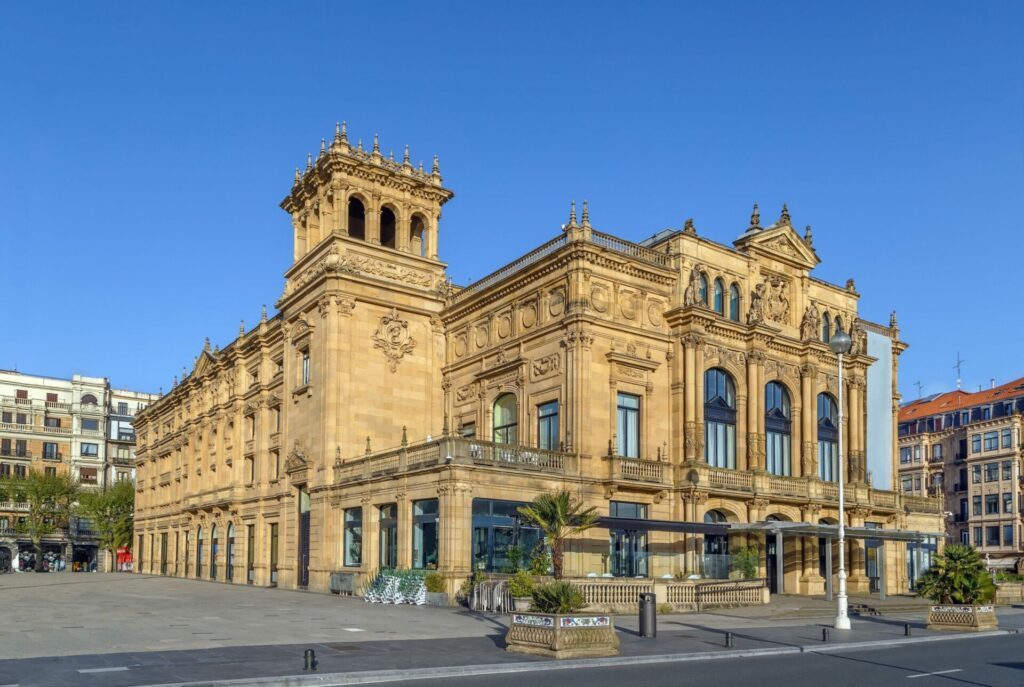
(417, 236)
(716, 548)
(734, 302)
(702, 290)
(826, 328)
(356, 219)
(719, 419)
(89, 400)
(388, 228)
(719, 296)
(506, 419)
(828, 437)
(839, 324)
(213, 552)
(777, 425)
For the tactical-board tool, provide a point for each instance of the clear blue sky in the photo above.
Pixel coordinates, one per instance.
(144, 148)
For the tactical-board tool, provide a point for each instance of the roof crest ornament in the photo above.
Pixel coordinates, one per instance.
(688, 228)
(572, 214)
(808, 237)
(586, 214)
(784, 216)
(755, 218)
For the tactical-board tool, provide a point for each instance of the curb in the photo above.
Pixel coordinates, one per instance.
(378, 676)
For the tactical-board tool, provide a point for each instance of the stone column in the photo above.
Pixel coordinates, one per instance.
(690, 397)
(753, 412)
(677, 404)
(808, 421)
(404, 530)
(455, 558)
(372, 221)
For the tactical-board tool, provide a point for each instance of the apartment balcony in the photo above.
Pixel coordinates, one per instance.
(130, 412)
(59, 431)
(53, 457)
(13, 506)
(14, 453)
(636, 470)
(57, 406)
(122, 462)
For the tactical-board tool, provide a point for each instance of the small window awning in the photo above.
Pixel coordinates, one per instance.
(806, 529)
(662, 525)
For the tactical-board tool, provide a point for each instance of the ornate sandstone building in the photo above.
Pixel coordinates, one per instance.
(386, 418)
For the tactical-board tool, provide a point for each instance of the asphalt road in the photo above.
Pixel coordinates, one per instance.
(992, 661)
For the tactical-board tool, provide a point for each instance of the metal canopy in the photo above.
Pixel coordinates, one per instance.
(806, 529)
(661, 525)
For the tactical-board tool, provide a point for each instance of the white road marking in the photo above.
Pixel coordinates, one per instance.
(937, 672)
(353, 629)
(102, 670)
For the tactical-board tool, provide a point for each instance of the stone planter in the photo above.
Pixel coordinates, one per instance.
(437, 599)
(962, 618)
(572, 635)
(521, 604)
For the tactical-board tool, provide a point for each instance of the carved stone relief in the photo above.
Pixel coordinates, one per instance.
(459, 345)
(546, 366)
(504, 325)
(529, 314)
(599, 298)
(393, 339)
(556, 302)
(654, 312)
(627, 305)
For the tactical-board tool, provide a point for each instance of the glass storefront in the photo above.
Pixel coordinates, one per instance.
(424, 533)
(389, 536)
(627, 548)
(353, 536)
(502, 542)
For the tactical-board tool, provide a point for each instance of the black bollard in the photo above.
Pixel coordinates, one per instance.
(728, 639)
(824, 634)
(309, 660)
(906, 629)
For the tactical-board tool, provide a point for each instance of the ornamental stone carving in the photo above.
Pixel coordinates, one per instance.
(296, 457)
(599, 298)
(548, 365)
(393, 339)
(810, 325)
(769, 302)
(691, 296)
(556, 302)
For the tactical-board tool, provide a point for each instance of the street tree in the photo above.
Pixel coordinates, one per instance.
(110, 512)
(50, 500)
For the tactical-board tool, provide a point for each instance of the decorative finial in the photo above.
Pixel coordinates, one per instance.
(175, 382)
(586, 214)
(405, 156)
(376, 144)
(572, 213)
(437, 168)
(206, 345)
(360, 146)
(309, 161)
(850, 285)
(391, 156)
(808, 237)
(263, 314)
(241, 327)
(420, 168)
(755, 218)
(216, 349)
(337, 132)
(405, 436)
(297, 175)
(344, 132)
(784, 216)
(184, 373)
(323, 147)
(688, 227)
(368, 446)
(892, 319)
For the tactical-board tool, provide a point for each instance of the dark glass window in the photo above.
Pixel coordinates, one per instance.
(778, 454)
(388, 535)
(628, 425)
(734, 303)
(719, 301)
(424, 533)
(547, 426)
(828, 438)
(719, 419)
(502, 541)
(353, 518)
(506, 419)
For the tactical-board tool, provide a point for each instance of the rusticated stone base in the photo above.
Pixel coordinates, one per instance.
(962, 618)
(574, 635)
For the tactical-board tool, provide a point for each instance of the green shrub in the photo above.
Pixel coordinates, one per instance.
(558, 597)
(540, 561)
(434, 582)
(745, 562)
(957, 576)
(515, 558)
(520, 584)
(665, 609)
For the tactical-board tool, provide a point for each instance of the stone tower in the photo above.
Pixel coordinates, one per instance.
(364, 343)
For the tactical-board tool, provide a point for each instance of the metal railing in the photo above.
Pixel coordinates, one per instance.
(631, 249)
(516, 266)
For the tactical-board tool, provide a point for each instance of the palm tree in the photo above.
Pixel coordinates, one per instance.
(957, 576)
(559, 517)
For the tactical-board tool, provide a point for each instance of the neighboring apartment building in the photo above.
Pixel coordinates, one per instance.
(384, 418)
(124, 405)
(56, 426)
(966, 447)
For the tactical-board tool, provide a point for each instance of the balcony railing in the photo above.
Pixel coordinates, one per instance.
(53, 457)
(18, 506)
(14, 453)
(635, 469)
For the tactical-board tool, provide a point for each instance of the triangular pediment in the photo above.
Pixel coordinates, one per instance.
(204, 362)
(779, 241)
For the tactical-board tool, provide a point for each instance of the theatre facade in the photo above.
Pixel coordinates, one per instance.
(385, 418)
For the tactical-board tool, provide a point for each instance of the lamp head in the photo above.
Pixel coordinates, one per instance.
(840, 342)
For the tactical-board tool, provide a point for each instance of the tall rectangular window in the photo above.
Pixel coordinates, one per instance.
(975, 443)
(992, 535)
(628, 425)
(50, 451)
(991, 441)
(976, 505)
(547, 426)
(1007, 535)
(1007, 502)
(975, 474)
(273, 554)
(917, 454)
(905, 455)
(991, 472)
(991, 504)
(937, 452)
(424, 533)
(250, 554)
(977, 535)
(1007, 469)
(353, 543)
(1006, 438)
(305, 367)
(20, 472)
(388, 535)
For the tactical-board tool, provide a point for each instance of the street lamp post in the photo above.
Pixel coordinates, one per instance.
(840, 344)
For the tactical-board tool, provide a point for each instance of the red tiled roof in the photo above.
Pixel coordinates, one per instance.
(961, 400)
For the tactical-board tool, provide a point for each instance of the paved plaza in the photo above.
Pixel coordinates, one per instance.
(122, 630)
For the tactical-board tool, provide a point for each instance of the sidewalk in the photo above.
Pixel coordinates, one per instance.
(680, 638)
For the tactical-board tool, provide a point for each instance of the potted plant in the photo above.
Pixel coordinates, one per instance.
(961, 591)
(556, 628)
(520, 588)
(436, 594)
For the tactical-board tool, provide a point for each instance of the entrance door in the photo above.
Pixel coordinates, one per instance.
(628, 553)
(273, 554)
(304, 549)
(163, 553)
(772, 553)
